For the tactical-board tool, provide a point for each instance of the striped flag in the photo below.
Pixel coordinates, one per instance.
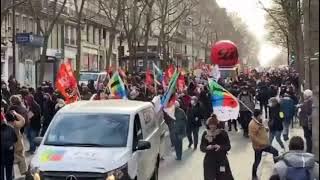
(224, 104)
(158, 74)
(116, 86)
(168, 98)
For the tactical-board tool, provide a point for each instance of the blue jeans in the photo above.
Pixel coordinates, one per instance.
(277, 135)
(286, 127)
(178, 145)
(31, 134)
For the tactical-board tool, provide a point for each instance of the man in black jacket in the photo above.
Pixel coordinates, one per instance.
(8, 139)
(194, 122)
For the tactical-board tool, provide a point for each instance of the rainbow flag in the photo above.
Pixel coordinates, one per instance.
(116, 87)
(157, 73)
(170, 93)
(224, 104)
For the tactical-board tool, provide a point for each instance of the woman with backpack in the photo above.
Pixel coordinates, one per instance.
(215, 144)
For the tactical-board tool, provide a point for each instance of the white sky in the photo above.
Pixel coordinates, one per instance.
(254, 17)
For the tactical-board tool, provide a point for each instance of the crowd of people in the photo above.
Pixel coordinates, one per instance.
(28, 111)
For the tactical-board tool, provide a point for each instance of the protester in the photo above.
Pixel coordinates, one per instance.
(180, 124)
(246, 107)
(91, 87)
(194, 122)
(258, 134)
(275, 122)
(8, 139)
(48, 112)
(215, 144)
(34, 127)
(296, 164)
(17, 121)
(305, 117)
(17, 105)
(288, 108)
(263, 96)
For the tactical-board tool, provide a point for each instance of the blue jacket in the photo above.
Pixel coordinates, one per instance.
(288, 108)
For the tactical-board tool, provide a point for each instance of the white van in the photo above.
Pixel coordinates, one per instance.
(107, 140)
(102, 77)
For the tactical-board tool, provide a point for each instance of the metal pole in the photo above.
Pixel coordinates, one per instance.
(13, 39)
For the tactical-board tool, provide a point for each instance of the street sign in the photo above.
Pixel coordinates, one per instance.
(29, 39)
(23, 38)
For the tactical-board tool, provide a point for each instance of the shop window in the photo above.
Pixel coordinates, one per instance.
(25, 24)
(28, 72)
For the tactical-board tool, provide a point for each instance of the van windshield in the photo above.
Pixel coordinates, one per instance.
(89, 130)
(87, 77)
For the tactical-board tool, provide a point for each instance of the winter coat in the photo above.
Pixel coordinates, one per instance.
(194, 116)
(48, 111)
(288, 108)
(275, 121)
(214, 160)
(247, 100)
(297, 159)
(8, 137)
(305, 113)
(180, 123)
(258, 135)
(35, 120)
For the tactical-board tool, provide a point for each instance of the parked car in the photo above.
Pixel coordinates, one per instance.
(108, 139)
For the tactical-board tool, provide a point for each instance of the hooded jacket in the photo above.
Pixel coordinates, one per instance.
(297, 159)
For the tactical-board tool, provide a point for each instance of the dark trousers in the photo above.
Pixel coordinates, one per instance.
(264, 105)
(193, 132)
(7, 160)
(178, 145)
(245, 117)
(308, 137)
(257, 157)
(31, 134)
(234, 122)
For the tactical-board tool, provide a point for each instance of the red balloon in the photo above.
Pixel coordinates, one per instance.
(225, 54)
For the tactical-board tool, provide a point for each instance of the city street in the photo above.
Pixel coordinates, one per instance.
(240, 157)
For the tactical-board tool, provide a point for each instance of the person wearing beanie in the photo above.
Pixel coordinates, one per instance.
(8, 139)
(258, 134)
(215, 143)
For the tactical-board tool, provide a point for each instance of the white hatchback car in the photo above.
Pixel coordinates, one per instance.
(93, 140)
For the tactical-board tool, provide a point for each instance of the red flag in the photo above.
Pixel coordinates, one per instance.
(66, 83)
(168, 74)
(149, 79)
(181, 83)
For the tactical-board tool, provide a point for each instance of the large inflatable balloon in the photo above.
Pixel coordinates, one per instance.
(225, 54)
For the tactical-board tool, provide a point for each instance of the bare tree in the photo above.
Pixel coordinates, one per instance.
(46, 18)
(287, 15)
(79, 19)
(113, 10)
(131, 19)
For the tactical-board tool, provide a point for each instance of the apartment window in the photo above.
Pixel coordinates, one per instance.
(25, 24)
(87, 27)
(31, 25)
(99, 31)
(18, 24)
(75, 35)
(72, 34)
(67, 34)
(94, 35)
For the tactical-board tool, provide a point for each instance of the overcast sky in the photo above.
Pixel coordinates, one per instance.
(254, 17)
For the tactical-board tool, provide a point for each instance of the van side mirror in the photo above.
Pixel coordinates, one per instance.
(38, 140)
(143, 145)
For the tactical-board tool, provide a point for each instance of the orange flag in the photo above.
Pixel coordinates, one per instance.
(66, 83)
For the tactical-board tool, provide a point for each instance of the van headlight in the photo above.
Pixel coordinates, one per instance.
(118, 174)
(34, 173)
